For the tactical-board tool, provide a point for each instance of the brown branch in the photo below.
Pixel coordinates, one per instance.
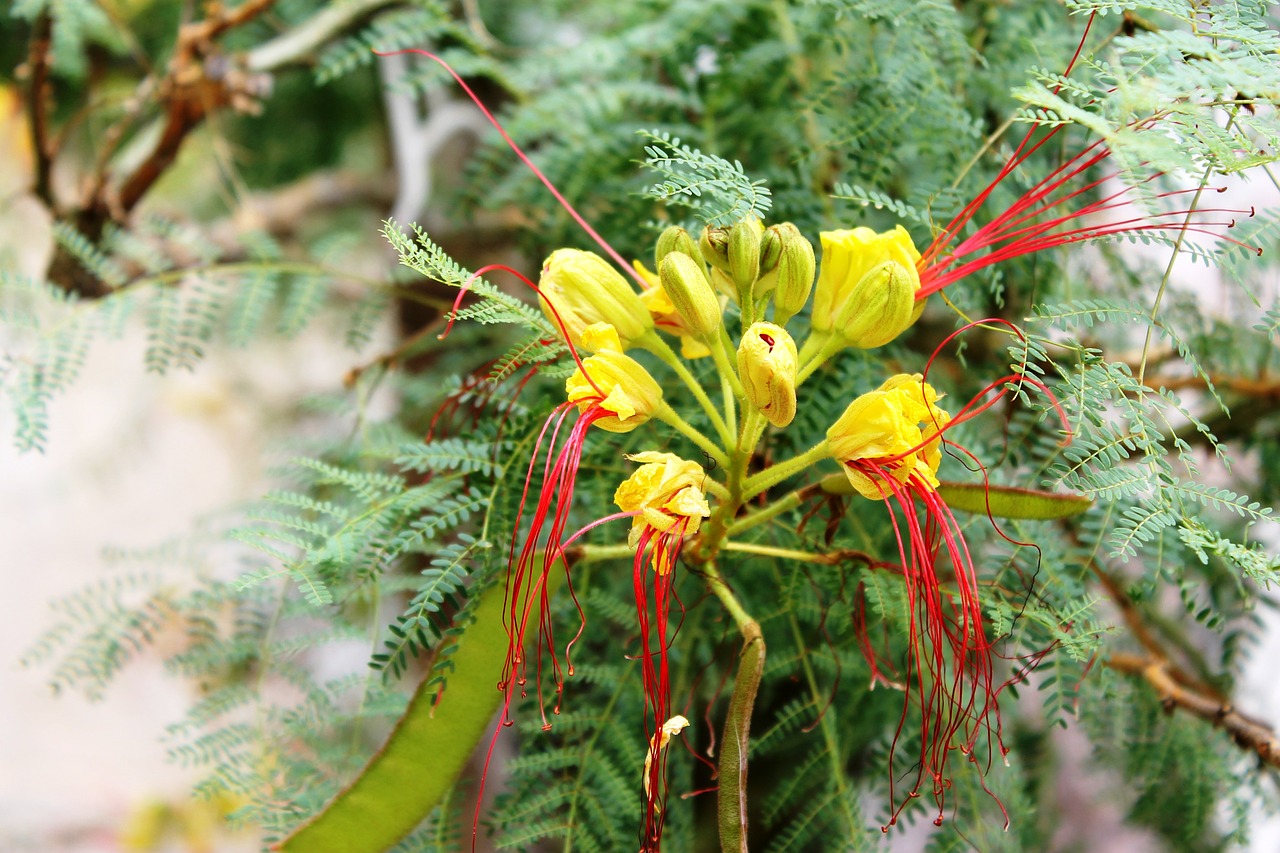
(1128, 610)
(1247, 733)
(195, 83)
(1178, 690)
(192, 92)
(38, 95)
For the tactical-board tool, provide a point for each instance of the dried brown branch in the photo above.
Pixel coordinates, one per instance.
(1175, 695)
(196, 82)
(38, 95)
(194, 86)
(1177, 689)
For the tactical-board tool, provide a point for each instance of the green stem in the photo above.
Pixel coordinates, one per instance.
(817, 350)
(753, 424)
(667, 356)
(772, 511)
(671, 418)
(784, 553)
(596, 553)
(730, 404)
(1168, 270)
(774, 474)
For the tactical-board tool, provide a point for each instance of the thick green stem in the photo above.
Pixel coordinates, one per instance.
(772, 511)
(667, 356)
(782, 553)
(774, 474)
(819, 347)
(671, 418)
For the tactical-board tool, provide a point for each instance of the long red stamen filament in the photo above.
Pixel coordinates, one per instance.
(655, 558)
(462, 291)
(1013, 232)
(951, 658)
(524, 158)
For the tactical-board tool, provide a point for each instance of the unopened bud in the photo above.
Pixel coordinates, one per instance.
(691, 294)
(580, 288)
(847, 257)
(786, 266)
(744, 253)
(767, 363)
(879, 307)
(676, 239)
(714, 244)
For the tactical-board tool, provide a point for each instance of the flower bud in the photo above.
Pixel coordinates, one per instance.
(847, 257)
(744, 253)
(663, 492)
(767, 363)
(879, 308)
(618, 384)
(667, 319)
(787, 266)
(691, 294)
(714, 244)
(676, 239)
(582, 289)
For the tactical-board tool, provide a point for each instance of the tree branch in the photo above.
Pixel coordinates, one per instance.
(304, 39)
(38, 104)
(1247, 733)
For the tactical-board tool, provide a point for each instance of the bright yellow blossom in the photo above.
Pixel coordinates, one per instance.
(618, 383)
(867, 283)
(892, 431)
(665, 491)
(582, 289)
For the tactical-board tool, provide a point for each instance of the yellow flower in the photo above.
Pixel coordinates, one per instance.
(867, 285)
(881, 433)
(665, 491)
(583, 289)
(618, 383)
(665, 316)
(767, 362)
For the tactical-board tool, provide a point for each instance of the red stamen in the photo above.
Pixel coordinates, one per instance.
(1013, 233)
(524, 158)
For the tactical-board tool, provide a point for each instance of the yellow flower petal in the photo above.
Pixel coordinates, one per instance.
(883, 428)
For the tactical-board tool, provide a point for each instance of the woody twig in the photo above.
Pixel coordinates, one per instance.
(1174, 694)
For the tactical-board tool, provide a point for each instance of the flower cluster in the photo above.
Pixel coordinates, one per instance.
(888, 442)
(752, 282)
